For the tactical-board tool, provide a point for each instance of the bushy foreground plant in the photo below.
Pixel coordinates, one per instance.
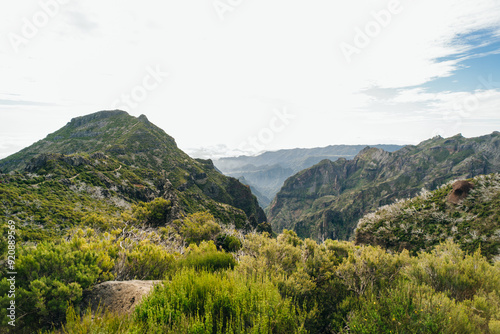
(143, 261)
(450, 270)
(153, 213)
(304, 271)
(446, 291)
(97, 322)
(275, 285)
(411, 308)
(198, 227)
(218, 302)
(228, 242)
(51, 275)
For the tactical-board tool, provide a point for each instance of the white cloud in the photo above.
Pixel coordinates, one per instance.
(227, 76)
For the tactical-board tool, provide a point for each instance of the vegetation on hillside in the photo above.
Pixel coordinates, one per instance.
(265, 285)
(420, 223)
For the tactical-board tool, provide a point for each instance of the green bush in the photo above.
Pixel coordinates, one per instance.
(370, 269)
(206, 257)
(223, 302)
(49, 277)
(144, 261)
(198, 227)
(98, 321)
(227, 242)
(411, 308)
(448, 269)
(154, 213)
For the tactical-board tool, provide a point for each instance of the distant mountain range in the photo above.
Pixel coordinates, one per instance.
(328, 199)
(110, 160)
(266, 173)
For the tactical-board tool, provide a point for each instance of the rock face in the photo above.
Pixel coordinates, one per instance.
(327, 200)
(117, 296)
(460, 191)
(151, 160)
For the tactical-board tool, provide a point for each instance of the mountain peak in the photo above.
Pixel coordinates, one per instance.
(143, 118)
(372, 153)
(134, 140)
(142, 148)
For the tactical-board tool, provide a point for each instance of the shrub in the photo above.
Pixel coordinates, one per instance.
(411, 308)
(155, 212)
(223, 302)
(371, 268)
(198, 227)
(49, 277)
(145, 261)
(228, 242)
(97, 322)
(448, 269)
(206, 257)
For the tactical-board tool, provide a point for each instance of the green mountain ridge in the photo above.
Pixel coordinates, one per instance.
(118, 158)
(327, 200)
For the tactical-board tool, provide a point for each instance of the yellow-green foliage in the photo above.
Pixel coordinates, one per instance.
(411, 308)
(144, 261)
(271, 285)
(304, 271)
(97, 322)
(222, 302)
(51, 275)
(199, 227)
(228, 242)
(370, 268)
(206, 257)
(450, 270)
(154, 213)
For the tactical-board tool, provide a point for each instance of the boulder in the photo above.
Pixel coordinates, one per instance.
(117, 296)
(460, 191)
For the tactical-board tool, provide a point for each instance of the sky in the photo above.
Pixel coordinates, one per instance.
(230, 77)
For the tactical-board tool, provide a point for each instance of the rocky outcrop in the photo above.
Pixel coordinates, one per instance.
(460, 191)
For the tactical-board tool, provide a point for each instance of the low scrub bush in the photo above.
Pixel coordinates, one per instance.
(206, 257)
(222, 302)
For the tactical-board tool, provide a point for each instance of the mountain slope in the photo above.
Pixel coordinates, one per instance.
(468, 212)
(267, 172)
(326, 200)
(145, 151)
